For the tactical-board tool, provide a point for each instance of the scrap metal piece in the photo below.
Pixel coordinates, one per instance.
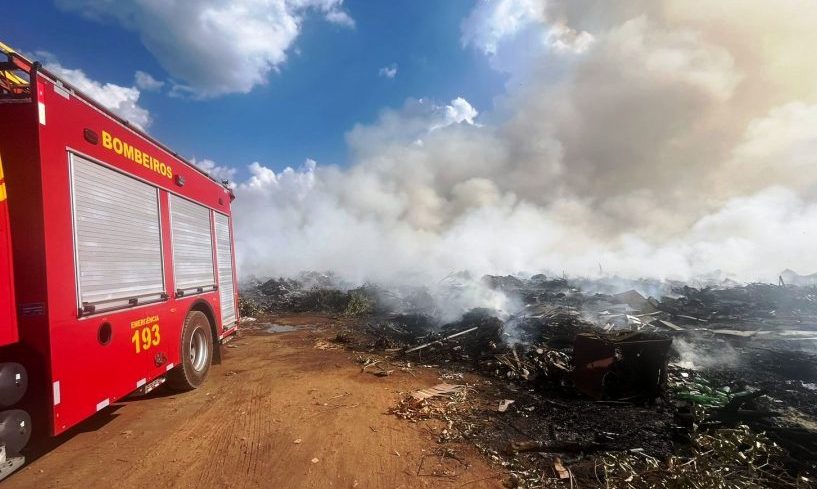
(426, 345)
(611, 367)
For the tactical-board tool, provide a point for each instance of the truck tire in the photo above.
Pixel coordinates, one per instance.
(196, 354)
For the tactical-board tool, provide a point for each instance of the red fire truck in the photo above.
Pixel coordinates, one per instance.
(116, 260)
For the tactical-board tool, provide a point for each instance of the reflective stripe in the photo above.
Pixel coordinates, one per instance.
(103, 404)
(41, 112)
(141, 382)
(169, 367)
(2, 182)
(56, 390)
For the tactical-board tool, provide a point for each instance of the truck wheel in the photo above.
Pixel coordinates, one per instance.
(197, 353)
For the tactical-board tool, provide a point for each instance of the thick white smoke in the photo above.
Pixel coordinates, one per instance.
(646, 138)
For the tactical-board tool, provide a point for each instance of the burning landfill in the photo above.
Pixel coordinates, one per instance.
(591, 382)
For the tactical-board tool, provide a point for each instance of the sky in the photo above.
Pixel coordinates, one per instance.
(401, 141)
(334, 75)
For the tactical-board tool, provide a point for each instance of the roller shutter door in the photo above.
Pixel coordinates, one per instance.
(117, 237)
(192, 246)
(226, 287)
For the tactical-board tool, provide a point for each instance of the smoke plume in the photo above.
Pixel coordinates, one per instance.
(656, 138)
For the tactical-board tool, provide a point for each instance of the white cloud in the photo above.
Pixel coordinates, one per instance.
(460, 111)
(124, 101)
(563, 39)
(339, 17)
(213, 47)
(146, 82)
(491, 22)
(516, 35)
(388, 71)
(216, 171)
(410, 124)
(680, 140)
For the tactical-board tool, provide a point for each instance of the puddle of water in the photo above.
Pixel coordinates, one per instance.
(277, 328)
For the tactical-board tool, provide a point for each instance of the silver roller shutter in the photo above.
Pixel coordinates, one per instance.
(224, 254)
(117, 237)
(192, 246)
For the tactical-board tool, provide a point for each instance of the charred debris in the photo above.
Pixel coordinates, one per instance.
(598, 382)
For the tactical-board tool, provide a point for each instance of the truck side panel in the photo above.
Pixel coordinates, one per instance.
(90, 369)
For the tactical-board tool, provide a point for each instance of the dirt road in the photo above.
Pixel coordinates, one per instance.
(276, 413)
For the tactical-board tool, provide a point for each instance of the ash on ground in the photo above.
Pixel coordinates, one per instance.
(590, 383)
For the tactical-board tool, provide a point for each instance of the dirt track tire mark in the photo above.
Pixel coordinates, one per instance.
(251, 436)
(218, 456)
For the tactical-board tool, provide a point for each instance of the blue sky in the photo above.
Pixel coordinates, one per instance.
(329, 82)
(654, 137)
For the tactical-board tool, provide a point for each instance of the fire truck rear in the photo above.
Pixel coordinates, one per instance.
(116, 260)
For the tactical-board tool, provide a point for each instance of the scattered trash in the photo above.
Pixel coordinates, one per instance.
(378, 369)
(315, 460)
(419, 404)
(504, 405)
(726, 458)
(297, 441)
(555, 447)
(444, 463)
(326, 345)
(438, 390)
(561, 471)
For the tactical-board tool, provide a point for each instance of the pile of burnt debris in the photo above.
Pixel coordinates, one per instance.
(662, 385)
(310, 292)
